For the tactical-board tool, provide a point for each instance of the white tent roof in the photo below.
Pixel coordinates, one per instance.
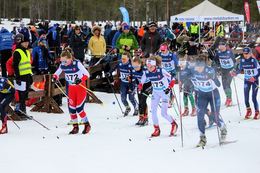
(206, 12)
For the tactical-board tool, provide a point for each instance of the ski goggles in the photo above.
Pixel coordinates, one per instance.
(64, 62)
(150, 62)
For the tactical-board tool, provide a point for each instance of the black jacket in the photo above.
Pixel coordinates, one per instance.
(150, 43)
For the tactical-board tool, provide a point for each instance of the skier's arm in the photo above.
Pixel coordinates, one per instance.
(57, 73)
(84, 71)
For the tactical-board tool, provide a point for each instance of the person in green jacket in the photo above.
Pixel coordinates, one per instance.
(126, 41)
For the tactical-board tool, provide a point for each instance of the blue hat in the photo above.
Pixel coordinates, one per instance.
(126, 27)
(247, 50)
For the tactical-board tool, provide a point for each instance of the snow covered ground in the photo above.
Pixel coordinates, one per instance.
(116, 145)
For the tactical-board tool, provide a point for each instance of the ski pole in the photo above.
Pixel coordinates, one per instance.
(238, 103)
(115, 95)
(180, 109)
(31, 118)
(215, 115)
(14, 122)
(70, 100)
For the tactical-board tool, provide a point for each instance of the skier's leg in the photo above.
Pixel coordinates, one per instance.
(80, 103)
(164, 108)
(202, 103)
(216, 108)
(123, 93)
(254, 95)
(247, 87)
(154, 105)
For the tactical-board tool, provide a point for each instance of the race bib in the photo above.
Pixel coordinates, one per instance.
(204, 86)
(71, 77)
(226, 63)
(168, 66)
(124, 76)
(158, 85)
(250, 73)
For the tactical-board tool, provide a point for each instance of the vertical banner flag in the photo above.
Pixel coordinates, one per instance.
(125, 14)
(258, 5)
(247, 11)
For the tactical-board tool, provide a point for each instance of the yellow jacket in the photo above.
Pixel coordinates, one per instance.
(97, 45)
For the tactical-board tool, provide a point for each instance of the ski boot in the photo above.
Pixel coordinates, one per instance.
(186, 112)
(257, 115)
(193, 112)
(156, 132)
(136, 112)
(127, 110)
(248, 113)
(75, 129)
(174, 128)
(144, 121)
(223, 133)
(87, 128)
(228, 102)
(140, 120)
(4, 129)
(202, 142)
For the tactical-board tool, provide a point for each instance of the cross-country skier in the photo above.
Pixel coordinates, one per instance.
(162, 84)
(137, 73)
(187, 87)
(6, 96)
(206, 83)
(251, 69)
(127, 87)
(227, 63)
(170, 63)
(76, 76)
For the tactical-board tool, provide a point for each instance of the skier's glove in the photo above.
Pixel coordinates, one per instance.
(77, 81)
(108, 75)
(139, 87)
(252, 80)
(18, 81)
(232, 73)
(167, 91)
(55, 78)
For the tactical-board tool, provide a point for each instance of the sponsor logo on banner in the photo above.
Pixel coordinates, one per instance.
(258, 5)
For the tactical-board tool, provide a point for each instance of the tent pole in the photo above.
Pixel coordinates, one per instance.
(214, 26)
(199, 32)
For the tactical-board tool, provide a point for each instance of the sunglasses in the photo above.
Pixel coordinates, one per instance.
(64, 62)
(137, 66)
(245, 53)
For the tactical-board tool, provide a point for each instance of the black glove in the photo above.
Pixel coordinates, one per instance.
(77, 81)
(18, 81)
(167, 91)
(108, 75)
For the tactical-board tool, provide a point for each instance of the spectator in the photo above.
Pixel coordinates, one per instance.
(78, 43)
(97, 45)
(6, 42)
(41, 57)
(23, 73)
(126, 41)
(151, 41)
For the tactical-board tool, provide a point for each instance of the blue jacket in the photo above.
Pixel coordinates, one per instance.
(226, 59)
(116, 36)
(206, 81)
(250, 67)
(41, 56)
(169, 61)
(6, 40)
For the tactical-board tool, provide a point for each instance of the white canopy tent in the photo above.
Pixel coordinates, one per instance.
(206, 12)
